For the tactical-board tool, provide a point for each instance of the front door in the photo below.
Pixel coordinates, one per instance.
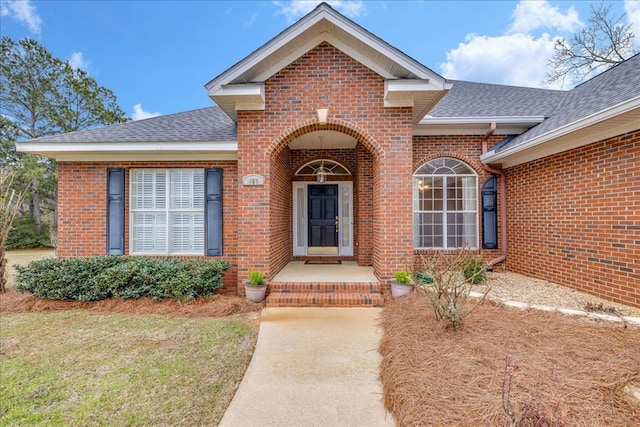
(323, 219)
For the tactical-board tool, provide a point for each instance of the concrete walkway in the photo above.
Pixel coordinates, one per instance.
(312, 367)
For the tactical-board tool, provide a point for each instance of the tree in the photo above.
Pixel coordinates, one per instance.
(10, 202)
(604, 42)
(41, 95)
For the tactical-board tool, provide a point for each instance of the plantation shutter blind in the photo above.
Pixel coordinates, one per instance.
(213, 211)
(149, 203)
(115, 211)
(186, 211)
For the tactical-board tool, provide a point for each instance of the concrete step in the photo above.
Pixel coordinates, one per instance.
(318, 299)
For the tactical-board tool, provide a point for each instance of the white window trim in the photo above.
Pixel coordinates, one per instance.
(472, 245)
(167, 211)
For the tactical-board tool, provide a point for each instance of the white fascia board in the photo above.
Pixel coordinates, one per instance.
(322, 13)
(470, 129)
(106, 150)
(510, 120)
(593, 119)
(403, 92)
(244, 96)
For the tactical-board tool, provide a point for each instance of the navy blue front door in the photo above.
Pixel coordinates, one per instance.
(323, 215)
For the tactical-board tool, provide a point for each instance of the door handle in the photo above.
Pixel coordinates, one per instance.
(337, 224)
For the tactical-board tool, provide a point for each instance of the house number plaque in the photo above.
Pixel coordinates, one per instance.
(249, 180)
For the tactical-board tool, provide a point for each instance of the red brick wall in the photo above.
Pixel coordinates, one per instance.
(326, 77)
(281, 210)
(363, 207)
(466, 148)
(82, 207)
(574, 218)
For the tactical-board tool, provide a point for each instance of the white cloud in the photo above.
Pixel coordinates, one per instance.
(22, 11)
(515, 59)
(77, 61)
(533, 15)
(519, 56)
(297, 8)
(140, 114)
(632, 9)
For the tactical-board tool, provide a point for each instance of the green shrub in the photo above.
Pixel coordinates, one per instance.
(97, 278)
(474, 270)
(23, 234)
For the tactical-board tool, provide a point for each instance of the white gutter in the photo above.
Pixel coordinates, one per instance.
(520, 120)
(600, 116)
(112, 151)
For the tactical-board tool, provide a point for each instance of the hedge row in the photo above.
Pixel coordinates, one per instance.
(98, 278)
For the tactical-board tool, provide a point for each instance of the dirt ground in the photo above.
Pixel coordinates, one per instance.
(544, 368)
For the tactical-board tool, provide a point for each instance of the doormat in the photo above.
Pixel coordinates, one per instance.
(323, 262)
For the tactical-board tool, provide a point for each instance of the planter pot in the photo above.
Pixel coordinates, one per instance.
(255, 293)
(400, 289)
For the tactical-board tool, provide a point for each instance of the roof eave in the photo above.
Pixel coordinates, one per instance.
(147, 150)
(610, 122)
(505, 125)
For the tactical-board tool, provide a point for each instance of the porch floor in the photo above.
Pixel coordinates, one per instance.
(325, 285)
(348, 271)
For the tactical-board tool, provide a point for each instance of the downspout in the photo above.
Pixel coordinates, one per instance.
(502, 180)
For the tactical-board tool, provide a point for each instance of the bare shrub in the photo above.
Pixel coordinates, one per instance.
(448, 284)
(10, 201)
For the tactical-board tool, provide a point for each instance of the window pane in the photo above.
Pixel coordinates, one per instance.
(445, 205)
(149, 233)
(346, 218)
(427, 230)
(187, 232)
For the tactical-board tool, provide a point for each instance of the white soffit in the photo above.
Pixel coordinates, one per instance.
(509, 125)
(110, 151)
(330, 140)
(617, 120)
(323, 24)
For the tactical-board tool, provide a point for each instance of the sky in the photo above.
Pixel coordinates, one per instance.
(156, 56)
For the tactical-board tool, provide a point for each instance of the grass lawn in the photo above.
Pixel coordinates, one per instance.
(79, 368)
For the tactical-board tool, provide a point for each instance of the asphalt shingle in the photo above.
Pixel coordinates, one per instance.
(612, 87)
(205, 124)
(468, 99)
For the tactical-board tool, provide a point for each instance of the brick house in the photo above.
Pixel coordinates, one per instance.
(328, 143)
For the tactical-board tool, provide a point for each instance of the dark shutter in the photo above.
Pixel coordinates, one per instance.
(213, 212)
(490, 213)
(115, 211)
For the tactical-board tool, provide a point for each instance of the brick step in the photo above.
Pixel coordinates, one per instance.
(316, 299)
(325, 287)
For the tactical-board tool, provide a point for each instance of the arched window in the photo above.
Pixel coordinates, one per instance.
(445, 206)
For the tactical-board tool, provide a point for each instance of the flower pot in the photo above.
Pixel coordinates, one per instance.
(400, 289)
(255, 293)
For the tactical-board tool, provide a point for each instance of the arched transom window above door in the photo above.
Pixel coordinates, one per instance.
(331, 168)
(445, 205)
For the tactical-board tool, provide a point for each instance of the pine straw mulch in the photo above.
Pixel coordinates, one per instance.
(218, 305)
(565, 369)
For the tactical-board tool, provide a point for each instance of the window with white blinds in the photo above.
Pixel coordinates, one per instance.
(167, 211)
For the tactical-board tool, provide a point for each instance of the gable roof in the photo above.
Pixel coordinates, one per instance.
(241, 87)
(602, 107)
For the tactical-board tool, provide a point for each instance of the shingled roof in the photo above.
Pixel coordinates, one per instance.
(204, 125)
(468, 99)
(608, 89)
